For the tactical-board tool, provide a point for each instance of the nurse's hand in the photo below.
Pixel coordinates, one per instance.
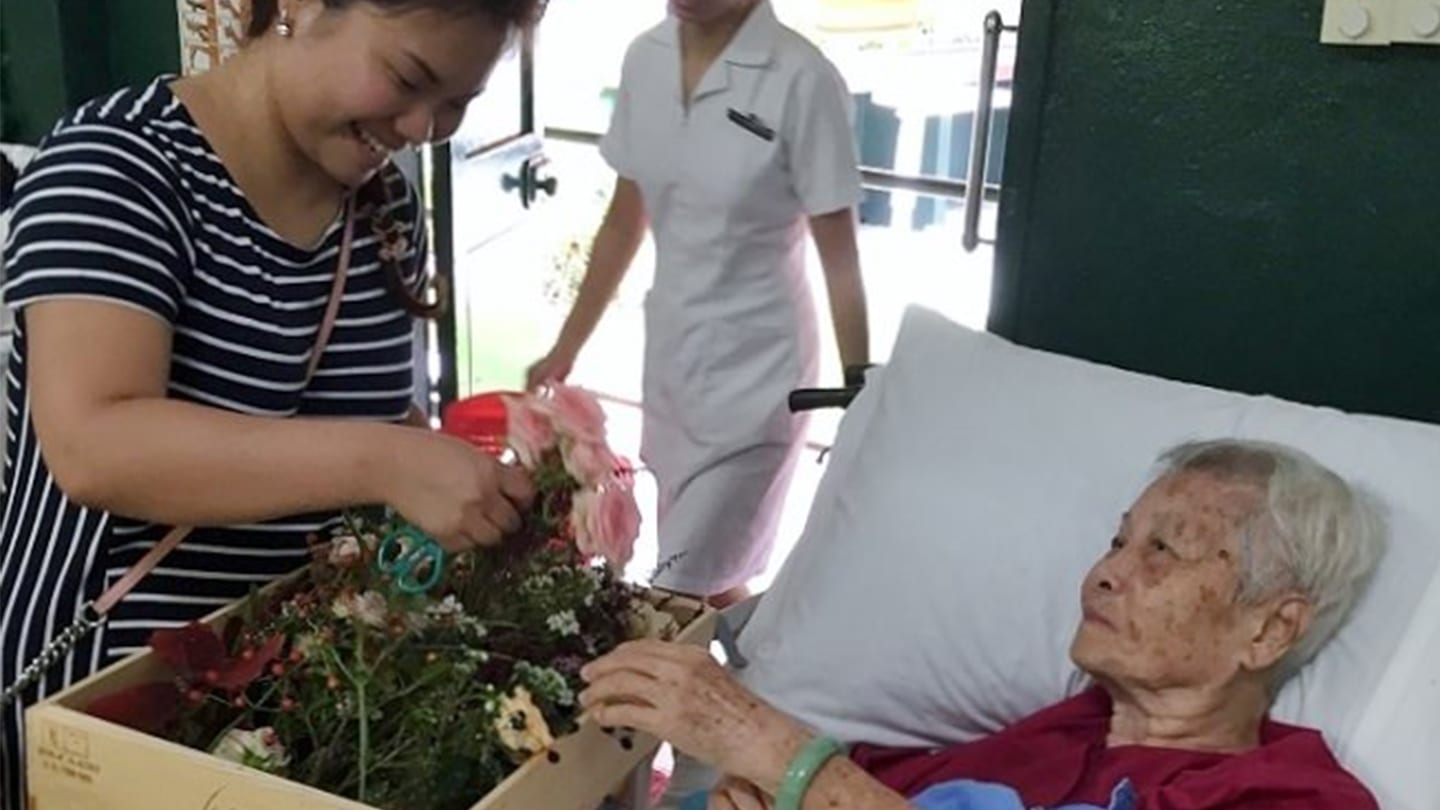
(552, 368)
(453, 492)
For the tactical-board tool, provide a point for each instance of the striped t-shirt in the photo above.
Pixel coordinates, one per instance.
(128, 203)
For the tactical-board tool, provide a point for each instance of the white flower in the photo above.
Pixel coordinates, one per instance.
(447, 608)
(521, 726)
(565, 624)
(416, 620)
(307, 644)
(368, 607)
(539, 582)
(344, 551)
(473, 627)
(260, 749)
(547, 683)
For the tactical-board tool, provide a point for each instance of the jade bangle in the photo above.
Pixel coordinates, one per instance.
(802, 769)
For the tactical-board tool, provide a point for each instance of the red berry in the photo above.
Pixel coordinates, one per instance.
(288, 705)
(212, 677)
(238, 702)
(195, 696)
(277, 669)
(247, 653)
(296, 656)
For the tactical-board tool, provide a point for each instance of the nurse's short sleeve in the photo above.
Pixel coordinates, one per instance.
(96, 216)
(821, 142)
(617, 145)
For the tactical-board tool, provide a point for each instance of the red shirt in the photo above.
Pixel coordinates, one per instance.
(1058, 755)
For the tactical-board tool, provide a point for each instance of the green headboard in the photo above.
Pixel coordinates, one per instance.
(1202, 190)
(55, 54)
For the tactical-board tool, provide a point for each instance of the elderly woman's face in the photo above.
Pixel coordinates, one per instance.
(1160, 609)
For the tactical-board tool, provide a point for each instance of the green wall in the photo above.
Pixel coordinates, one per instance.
(31, 67)
(55, 54)
(1202, 190)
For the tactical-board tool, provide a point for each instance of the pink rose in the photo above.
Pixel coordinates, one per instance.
(619, 525)
(530, 431)
(577, 413)
(624, 472)
(590, 463)
(606, 524)
(583, 508)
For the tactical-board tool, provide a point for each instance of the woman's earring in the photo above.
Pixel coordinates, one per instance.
(283, 27)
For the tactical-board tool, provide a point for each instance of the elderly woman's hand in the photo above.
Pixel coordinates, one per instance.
(679, 693)
(737, 794)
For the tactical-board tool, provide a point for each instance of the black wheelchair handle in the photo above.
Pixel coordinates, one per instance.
(814, 399)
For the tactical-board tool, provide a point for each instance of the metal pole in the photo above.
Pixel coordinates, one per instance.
(980, 135)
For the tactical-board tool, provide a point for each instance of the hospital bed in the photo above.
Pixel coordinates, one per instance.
(971, 484)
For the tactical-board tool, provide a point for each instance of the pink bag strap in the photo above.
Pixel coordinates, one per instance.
(172, 538)
(112, 595)
(337, 288)
(93, 615)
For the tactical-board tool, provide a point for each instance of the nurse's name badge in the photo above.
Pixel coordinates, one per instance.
(751, 123)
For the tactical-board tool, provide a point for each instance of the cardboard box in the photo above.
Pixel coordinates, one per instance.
(78, 762)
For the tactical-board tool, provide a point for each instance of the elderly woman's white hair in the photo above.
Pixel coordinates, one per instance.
(1311, 532)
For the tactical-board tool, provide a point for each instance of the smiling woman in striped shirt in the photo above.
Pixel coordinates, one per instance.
(172, 257)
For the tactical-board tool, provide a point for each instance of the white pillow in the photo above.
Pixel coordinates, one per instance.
(935, 589)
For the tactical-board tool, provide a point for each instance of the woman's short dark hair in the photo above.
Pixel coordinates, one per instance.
(509, 13)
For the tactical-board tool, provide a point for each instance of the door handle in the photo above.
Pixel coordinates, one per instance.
(547, 185)
(535, 183)
(512, 182)
(529, 182)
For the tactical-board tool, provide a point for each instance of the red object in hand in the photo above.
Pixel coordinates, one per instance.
(481, 420)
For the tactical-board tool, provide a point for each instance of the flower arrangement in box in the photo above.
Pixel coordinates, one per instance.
(424, 700)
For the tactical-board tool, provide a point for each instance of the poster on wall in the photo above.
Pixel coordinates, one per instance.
(210, 30)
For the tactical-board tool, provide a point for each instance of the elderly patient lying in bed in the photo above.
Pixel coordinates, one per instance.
(1235, 565)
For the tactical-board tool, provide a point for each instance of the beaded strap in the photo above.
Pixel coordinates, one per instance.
(54, 652)
(93, 614)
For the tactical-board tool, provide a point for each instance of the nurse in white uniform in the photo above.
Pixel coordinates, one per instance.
(731, 136)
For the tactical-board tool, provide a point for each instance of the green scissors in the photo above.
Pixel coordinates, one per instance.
(412, 559)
